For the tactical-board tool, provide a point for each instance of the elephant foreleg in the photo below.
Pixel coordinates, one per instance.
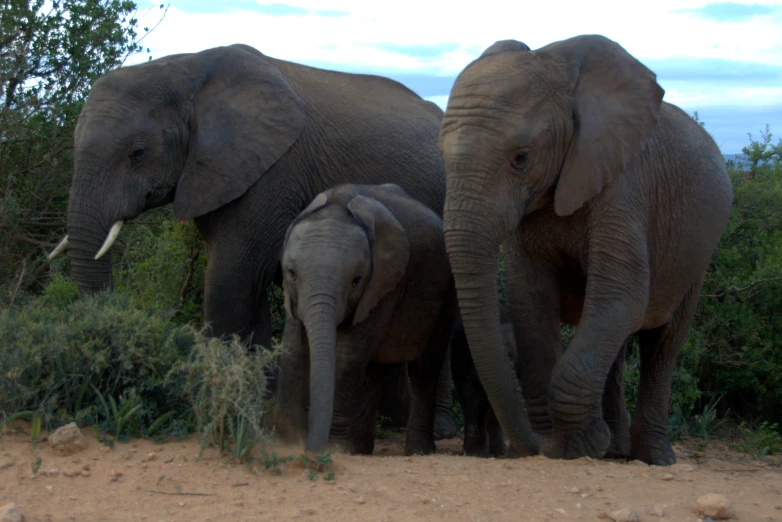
(290, 415)
(444, 425)
(534, 293)
(615, 302)
(424, 376)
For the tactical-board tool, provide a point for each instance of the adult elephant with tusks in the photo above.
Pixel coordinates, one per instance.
(240, 142)
(609, 204)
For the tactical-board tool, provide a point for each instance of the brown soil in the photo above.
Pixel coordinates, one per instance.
(142, 480)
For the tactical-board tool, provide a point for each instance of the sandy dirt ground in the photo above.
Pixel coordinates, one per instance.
(142, 480)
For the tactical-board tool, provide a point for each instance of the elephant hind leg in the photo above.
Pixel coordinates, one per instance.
(659, 349)
(615, 412)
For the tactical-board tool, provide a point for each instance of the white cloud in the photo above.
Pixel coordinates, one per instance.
(651, 30)
(439, 38)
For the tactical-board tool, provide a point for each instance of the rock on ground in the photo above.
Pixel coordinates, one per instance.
(715, 506)
(67, 440)
(10, 513)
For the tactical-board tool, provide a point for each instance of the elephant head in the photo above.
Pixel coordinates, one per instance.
(341, 256)
(196, 129)
(528, 131)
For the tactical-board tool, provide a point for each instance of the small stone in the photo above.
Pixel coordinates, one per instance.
(86, 467)
(67, 440)
(715, 506)
(85, 473)
(361, 500)
(53, 472)
(575, 490)
(308, 511)
(561, 511)
(666, 476)
(311, 486)
(10, 513)
(624, 515)
(296, 515)
(50, 488)
(150, 457)
(656, 511)
(7, 463)
(72, 472)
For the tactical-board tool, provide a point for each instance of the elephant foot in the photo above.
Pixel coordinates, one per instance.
(655, 450)
(498, 449)
(590, 442)
(419, 447)
(444, 425)
(619, 447)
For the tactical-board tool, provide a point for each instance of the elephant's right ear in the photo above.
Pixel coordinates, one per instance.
(245, 118)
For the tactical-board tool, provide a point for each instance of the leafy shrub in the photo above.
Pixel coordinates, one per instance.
(161, 264)
(227, 390)
(765, 440)
(60, 357)
(734, 346)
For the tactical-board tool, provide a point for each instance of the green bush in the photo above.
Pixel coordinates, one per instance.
(60, 357)
(128, 369)
(161, 264)
(226, 387)
(734, 347)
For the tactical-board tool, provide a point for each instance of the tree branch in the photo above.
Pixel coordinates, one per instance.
(736, 290)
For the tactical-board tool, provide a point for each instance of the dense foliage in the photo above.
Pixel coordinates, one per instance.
(50, 53)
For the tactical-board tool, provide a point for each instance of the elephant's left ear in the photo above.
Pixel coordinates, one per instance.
(390, 251)
(616, 104)
(245, 118)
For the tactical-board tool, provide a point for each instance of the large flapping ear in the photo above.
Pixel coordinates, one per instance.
(504, 46)
(616, 104)
(245, 117)
(390, 251)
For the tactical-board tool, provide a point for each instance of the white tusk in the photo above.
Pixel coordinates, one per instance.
(60, 248)
(113, 233)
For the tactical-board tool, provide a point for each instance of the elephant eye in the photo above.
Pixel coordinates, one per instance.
(356, 281)
(292, 274)
(519, 161)
(137, 154)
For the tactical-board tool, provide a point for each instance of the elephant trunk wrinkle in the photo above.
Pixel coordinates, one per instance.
(473, 258)
(320, 323)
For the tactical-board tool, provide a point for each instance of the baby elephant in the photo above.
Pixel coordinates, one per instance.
(482, 431)
(367, 286)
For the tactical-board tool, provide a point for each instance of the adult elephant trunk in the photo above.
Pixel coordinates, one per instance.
(473, 233)
(87, 232)
(320, 321)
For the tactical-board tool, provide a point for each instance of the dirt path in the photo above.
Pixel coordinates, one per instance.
(142, 480)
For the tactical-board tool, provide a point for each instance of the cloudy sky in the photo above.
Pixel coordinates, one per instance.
(722, 59)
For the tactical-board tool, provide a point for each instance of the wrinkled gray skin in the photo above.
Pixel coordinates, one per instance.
(483, 435)
(367, 289)
(608, 203)
(239, 142)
